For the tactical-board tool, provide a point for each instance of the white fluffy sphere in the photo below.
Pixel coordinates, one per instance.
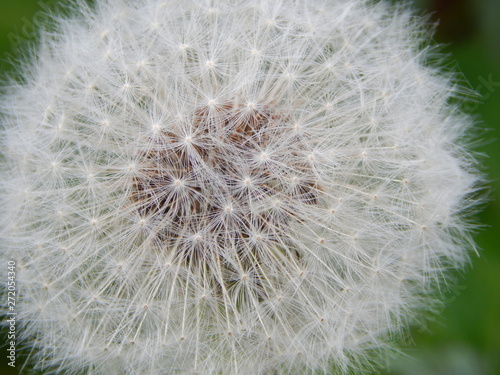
(230, 187)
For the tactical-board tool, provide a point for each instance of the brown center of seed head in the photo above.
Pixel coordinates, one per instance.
(234, 175)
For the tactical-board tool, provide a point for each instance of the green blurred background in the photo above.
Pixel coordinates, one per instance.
(465, 339)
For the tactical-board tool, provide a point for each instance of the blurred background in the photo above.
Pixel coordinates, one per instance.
(465, 339)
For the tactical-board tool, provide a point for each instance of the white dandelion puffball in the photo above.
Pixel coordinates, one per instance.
(231, 187)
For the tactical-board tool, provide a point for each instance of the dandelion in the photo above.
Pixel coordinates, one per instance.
(231, 187)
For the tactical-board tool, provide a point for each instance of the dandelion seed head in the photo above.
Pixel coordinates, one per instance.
(231, 187)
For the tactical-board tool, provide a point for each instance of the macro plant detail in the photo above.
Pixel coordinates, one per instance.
(232, 187)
